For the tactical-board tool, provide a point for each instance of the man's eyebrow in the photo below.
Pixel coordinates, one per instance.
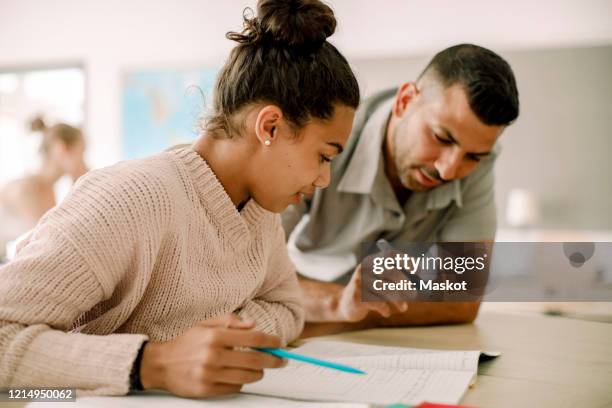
(337, 146)
(450, 137)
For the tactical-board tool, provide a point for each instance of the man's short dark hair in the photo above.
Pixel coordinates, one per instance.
(487, 78)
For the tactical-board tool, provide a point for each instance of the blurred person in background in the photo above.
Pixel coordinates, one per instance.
(24, 201)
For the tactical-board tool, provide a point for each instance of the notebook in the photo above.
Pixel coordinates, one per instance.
(393, 375)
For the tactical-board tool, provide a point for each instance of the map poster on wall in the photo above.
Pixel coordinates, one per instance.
(162, 108)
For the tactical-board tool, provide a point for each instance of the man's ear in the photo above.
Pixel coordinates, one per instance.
(405, 95)
(266, 124)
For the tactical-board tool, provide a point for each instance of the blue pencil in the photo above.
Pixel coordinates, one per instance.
(294, 356)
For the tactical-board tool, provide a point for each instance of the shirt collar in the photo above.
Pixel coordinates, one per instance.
(442, 196)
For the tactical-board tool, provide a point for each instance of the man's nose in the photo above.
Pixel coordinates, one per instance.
(448, 164)
(323, 178)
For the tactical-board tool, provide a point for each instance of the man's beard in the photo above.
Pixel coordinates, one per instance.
(410, 182)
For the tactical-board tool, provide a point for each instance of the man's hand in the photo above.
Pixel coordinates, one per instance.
(209, 359)
(351, 308)
(332, 308)
(330, 302)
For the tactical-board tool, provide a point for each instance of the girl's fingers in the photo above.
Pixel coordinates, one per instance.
(251, 360)
(237, 376)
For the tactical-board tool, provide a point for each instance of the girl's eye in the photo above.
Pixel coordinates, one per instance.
(325, 159)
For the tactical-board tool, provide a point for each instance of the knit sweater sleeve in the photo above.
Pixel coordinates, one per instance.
(277, 306)
(72, 261)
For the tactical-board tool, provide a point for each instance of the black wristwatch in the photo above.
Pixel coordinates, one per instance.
(135, 383)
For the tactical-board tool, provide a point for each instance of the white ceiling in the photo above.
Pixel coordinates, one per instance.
(145, 31)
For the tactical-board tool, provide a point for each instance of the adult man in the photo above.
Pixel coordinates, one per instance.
(418, 167)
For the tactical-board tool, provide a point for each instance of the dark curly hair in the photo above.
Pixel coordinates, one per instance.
(283, 58)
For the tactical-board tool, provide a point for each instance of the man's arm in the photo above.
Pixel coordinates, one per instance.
(474, 221)
(330, 302)
(417, 314)
(332, 308)
(429, 313)
(320, 299)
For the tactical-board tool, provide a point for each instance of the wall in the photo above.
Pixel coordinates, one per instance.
(112, 36)
(561, 145)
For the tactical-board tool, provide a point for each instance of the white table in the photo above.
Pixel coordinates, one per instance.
(546, 361)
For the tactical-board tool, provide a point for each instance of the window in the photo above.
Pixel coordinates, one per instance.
(57, 94)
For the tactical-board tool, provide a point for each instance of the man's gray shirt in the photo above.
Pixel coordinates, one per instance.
(325, 233)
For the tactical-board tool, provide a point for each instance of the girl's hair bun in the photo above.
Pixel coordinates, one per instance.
(297, 24)
(38, 124)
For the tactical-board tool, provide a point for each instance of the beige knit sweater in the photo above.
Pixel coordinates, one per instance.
(141, 250)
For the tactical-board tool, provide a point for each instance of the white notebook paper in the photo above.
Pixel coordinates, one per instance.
(393, 375)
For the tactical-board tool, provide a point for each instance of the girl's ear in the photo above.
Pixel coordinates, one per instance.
(267, 123)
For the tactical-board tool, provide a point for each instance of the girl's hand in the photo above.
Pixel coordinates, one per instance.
(207, 360)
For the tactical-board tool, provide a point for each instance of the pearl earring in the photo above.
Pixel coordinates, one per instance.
(267, 142)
